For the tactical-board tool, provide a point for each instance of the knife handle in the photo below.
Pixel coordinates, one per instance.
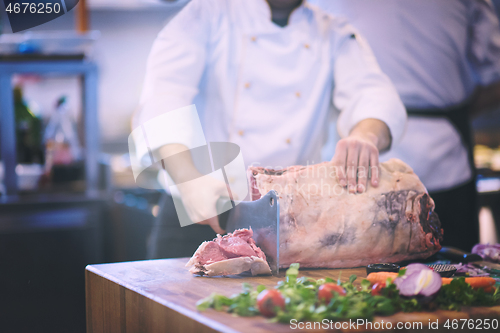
(223, 205)
(457, 255)
(223, 217)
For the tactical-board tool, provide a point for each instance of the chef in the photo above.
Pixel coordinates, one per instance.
(264, 74)
(437, 53)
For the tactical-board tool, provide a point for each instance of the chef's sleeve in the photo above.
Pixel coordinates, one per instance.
(361, 90)
(484, 52)
(173, 73)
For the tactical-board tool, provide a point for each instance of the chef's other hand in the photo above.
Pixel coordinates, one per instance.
(358, 154)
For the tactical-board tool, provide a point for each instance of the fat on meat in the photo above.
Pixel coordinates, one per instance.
(322, 225)
(231, 254)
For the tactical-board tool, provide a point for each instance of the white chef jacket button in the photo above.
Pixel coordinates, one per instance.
(247, 85)
(253, 39)
(307, 46)
(231, 180)
(297, 94)
(240, 132)
(288, 140)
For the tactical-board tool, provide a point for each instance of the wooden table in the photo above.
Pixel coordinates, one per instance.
(160, 296)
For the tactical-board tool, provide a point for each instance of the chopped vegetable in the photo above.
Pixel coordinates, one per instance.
(269, 302)
(415, 268)
(470, 270)
(418, 280)
(485, 283)
(458, 293)
(381, 277)
(488, 252)
(445, 280)
(242, 304)
(298, 297)
(480, 282)
(377, 289)
(327, 290)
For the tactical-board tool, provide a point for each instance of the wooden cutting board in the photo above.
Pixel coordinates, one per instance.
(160, 296)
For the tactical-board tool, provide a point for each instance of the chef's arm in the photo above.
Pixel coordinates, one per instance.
(375, 131)
(199, 197)
(173, 73)
(181, 168)
(176, 62)
(372, 115)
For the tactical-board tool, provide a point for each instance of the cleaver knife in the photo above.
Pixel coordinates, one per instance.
(263, 216)
(457, 255)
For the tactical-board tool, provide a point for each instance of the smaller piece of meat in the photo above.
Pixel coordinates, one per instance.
(244, 234)
(228, 255)
(234, 247)
(211, 253)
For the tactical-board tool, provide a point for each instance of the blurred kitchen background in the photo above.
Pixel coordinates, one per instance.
(70, 199)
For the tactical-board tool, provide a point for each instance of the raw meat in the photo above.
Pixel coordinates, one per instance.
(322, 225)
(230, 254)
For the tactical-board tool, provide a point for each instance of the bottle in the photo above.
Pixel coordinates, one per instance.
(62, 147)
(28, 131)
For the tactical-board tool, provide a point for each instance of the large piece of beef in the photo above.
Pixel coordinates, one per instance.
(230, 254)
(322, 225)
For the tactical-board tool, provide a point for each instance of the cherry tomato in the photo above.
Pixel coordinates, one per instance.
(325, 291)
(489, 289)
(268, 300)
(377, 288)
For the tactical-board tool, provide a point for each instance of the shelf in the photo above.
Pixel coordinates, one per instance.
(87, 70)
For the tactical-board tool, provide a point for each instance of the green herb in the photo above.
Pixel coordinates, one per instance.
(242, 304)
(292, 273)
(365, 285)
(459, 293)
(302, 304)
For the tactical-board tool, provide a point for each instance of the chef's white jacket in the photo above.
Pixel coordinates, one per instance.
(436, 53)
(266, 88)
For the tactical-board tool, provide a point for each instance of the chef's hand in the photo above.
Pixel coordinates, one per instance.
(200, 200)
(358, 153)
(200, 197)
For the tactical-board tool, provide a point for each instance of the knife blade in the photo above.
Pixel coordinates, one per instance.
(457, 255)
(263, 216)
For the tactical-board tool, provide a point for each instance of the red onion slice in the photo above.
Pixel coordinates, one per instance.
(431, 284)
(470, 270)
(407, 284)
(423, 282)
(489, 252)
(415, 268)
